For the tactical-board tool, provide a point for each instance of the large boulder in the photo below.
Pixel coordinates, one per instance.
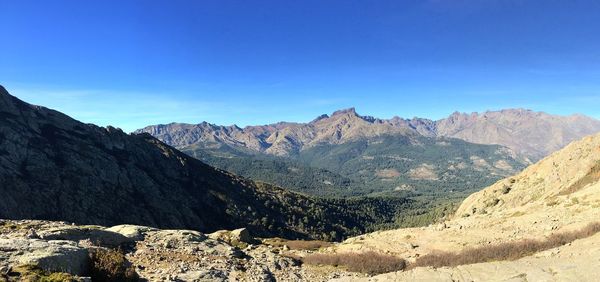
(178, 238)
(51, 256)
(234, 237)
(96, 235)
(133, 232)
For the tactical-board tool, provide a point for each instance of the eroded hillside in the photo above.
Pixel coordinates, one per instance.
(556, 196)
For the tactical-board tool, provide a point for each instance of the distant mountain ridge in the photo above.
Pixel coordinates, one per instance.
(280, 139)
(531, 134)
(369, 155)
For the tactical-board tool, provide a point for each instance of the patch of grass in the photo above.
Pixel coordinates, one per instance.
(572, 202)
(111, 265)
(504, 251)
(552, 202)
(33, 273)
(368, 262)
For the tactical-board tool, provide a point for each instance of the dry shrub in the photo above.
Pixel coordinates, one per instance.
(504, 251)
(111, 265)
(368, 262)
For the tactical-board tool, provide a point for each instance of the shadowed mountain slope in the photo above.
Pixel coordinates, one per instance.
(56, 168)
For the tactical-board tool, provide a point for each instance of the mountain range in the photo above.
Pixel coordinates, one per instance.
(347, 154)
(528, 133)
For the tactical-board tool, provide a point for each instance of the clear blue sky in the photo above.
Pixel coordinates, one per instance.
(134, 63)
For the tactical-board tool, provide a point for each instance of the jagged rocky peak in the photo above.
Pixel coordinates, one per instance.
(351, 111)
(10, 103)
(321, 117)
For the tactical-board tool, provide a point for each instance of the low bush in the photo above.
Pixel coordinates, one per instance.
(368, 262)
(504, 251)
(111, 265)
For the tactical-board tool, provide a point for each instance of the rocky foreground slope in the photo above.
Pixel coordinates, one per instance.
(32, 250)
(559, 194)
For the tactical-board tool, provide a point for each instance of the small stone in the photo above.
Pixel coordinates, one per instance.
(31, 234)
